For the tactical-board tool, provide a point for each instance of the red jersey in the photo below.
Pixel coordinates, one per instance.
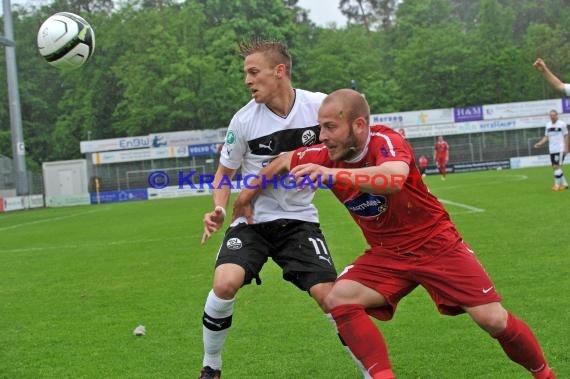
(399, 222)
(441, 149)
(423, 161)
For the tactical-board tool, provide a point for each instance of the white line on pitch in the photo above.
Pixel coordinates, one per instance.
(50, 219)
(460, 205)
(98, 245)
(509, 178)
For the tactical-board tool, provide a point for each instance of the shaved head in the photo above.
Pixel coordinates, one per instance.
(350, 103)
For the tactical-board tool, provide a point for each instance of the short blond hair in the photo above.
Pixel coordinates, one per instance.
(274, 50)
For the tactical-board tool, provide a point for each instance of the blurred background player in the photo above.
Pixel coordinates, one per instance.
(556, 134)
(423, 161)
(558, 84)
(441, 156)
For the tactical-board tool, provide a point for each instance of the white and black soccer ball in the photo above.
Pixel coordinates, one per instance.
(66, 40)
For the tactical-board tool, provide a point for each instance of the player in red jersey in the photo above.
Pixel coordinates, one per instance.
(413, 242)
(441, 155)
(423, 164)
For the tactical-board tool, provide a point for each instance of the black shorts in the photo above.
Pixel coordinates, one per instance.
(298, 247)
(557, 159)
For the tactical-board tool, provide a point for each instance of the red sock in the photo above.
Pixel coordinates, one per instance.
(521, 346)
(364, 339)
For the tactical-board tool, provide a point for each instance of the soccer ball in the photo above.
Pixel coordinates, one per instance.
(66, 40)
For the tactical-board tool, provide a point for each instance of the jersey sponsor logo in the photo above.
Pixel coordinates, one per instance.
(234, 244)
(283, 141)
(367, 205)
(309, 137)
(230, 138)
(268, 146)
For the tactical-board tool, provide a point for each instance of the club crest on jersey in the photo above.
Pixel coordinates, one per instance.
(234, 244)
(309, 138)
(230, 138)
(367, 205)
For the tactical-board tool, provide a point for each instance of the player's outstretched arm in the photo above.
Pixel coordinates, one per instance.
(554, 81)
(242, 205)
(214, 220)
(385, 179)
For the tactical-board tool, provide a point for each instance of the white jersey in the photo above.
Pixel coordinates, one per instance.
(256, 135)
(555, 133)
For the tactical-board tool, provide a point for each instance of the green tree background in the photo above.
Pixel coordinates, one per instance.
(161, 65)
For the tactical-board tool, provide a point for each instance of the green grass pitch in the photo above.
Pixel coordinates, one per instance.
(75, 282)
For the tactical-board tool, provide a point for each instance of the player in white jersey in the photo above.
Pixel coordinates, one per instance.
(558, 84)
(284, 224)
(556, 135)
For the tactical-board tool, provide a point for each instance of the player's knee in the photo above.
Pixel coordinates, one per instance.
(320, 292)
(492, 318)
(228, 279)
(336, 298)
(226, 287)
(225, 290)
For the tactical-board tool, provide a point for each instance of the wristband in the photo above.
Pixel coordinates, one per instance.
(222, 209)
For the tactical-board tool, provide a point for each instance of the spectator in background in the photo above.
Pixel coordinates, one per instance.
(558, 84)
(423, 164)
(441, 156)
(556, 135)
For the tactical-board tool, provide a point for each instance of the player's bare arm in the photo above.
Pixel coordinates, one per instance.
(214, 220)
(541, 66)
(242, 205)
(541, 143)
(385, 179)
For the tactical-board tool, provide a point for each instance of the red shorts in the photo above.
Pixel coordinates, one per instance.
(440, 162)
(445, 266)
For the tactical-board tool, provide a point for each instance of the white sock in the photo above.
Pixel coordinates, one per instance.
(365, 373)
(558, 175)
(218, 318)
